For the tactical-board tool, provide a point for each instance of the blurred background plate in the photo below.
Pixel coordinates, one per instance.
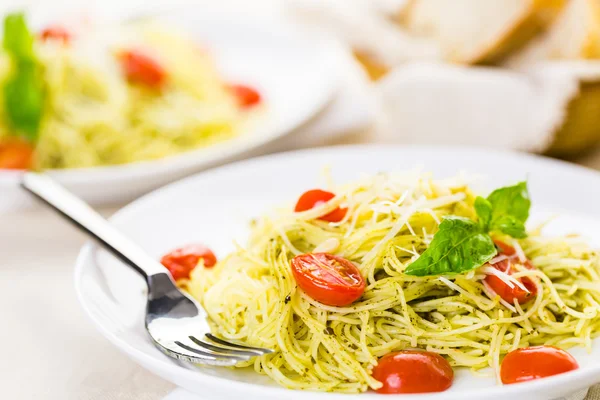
(295, 74)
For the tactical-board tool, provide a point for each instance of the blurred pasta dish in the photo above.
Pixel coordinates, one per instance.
(142, 92)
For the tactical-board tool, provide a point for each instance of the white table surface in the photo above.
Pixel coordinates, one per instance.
(50, 350)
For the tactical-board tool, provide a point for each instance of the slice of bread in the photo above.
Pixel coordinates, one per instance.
(480, 31)
(574, 35)
(580, 128)
(375, 69)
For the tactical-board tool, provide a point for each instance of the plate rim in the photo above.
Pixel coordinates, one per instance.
(167, 367)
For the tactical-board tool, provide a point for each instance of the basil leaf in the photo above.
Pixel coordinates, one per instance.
(460, 245)
(510, 210)
(24, 100)
(24, 90)
(18, 41)
(483, 208)
(511, 226)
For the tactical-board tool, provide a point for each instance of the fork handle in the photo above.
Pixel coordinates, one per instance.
(86, 219)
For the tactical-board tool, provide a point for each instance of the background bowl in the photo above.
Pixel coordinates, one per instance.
(295, 73)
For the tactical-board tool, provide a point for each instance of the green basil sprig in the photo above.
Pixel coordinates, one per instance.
(505, 210)
(24, 89)
(461, 244)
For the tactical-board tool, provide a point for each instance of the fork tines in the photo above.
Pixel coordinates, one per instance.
(219, 350)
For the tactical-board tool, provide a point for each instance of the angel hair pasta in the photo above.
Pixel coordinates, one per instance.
(456, 300)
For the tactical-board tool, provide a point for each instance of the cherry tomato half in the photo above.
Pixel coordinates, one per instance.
(531, 363)
(413, 371)
(141, 68)
(316, 197)
(180, 262)
(55, 32)
(329, 279)
(507, 293)
(246, 96)
(16, 154)
(505, 248)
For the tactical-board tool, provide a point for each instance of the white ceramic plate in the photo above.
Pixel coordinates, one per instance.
(215, 207)
(294, 71)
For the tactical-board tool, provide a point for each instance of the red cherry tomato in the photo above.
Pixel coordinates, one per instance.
(16, 154)
(246, 96)
(505, 248)
(413, 371)
(507, 293)
(329, 279)
(531, 363)
(141, 68)
(55, 32)
(180, 262)
(316, 197)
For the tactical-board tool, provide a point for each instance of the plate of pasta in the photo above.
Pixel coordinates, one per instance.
(146, 101)
(427, 272)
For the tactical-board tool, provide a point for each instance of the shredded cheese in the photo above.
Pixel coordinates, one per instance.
(328, 246)
(509, 280)
(519, 251)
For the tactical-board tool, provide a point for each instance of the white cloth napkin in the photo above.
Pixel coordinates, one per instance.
(444, 104)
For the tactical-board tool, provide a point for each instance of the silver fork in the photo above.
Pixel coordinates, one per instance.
(176, 323)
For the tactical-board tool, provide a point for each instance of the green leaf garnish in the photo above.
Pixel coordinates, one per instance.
(461, 244)
(24, 90)
(18, 41)
(510, 210)
(483, 208)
